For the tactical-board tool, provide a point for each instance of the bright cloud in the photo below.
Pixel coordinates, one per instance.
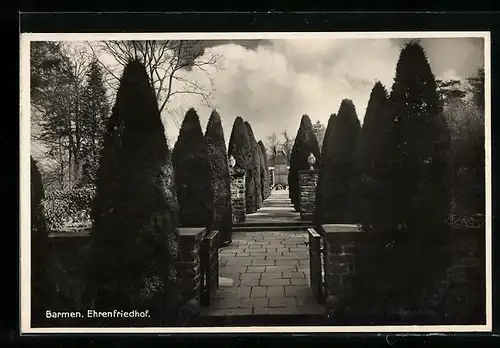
(274, 84)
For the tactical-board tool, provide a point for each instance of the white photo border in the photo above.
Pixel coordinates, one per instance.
(24, 182)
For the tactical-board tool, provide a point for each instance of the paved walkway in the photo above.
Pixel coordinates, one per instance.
(268, 271)
(276, 208)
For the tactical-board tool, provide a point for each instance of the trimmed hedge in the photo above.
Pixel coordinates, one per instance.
(305, 144)
(193, 174)
(267, 176)
(241, 149)
(337, 175)
(373, 199)
(135, 239)
(422, 155)
(323, 186)
(217, 152)
(255, 167)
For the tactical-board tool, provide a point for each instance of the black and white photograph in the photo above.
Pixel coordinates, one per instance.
(255, 182)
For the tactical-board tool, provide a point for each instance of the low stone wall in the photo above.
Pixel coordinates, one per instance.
(238, 202)
(398, 277)
(67, 263)
(209, 257)
(308, 180)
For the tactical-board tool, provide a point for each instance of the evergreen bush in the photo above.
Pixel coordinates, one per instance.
(217, 152)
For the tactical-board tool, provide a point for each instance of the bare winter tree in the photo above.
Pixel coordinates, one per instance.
(164, 61)
(56, 100)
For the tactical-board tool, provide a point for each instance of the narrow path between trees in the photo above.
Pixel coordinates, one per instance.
(266, 272)
(276, 208)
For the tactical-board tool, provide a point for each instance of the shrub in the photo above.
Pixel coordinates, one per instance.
(265, 176)
(216, 145)
(467, 130)
(135, 238)
(422, 153)
(241, 149)
(337, 170)
(193, 174)
(373, 203)
(255, 167)
(305, 144)
(323, 187)
(40, 291)
(68, 208)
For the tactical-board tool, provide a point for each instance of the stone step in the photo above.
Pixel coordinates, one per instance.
(271, 228)
(277, 224)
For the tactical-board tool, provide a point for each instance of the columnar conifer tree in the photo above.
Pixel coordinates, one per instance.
(95, 109)
(267, 187)
(422, 153)
(193, 174)
(338, 175)
(264, 181)
(39, 250)
(324, 187)
(305, 144)
(373, 162)
(217, 152)
(241, 149)
(134, 237)
(255, 168)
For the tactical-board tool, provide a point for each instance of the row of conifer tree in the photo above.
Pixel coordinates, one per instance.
(393, 171)
(143, 194)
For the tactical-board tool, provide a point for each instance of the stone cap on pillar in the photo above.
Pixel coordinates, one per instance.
(236, 172)
(192, 232)
(308, 171)
(340, 228)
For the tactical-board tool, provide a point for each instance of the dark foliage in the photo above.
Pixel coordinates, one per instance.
(241, 149)
(477, 89)
(193, 174)
(217, 152)
(421, 172)
(373, 205)
(305, 144)
(95, 110)
(323, 186)
(255, 168)
(338, 176)
(264, 178)
(267, 185)
(40, 291)
(135, 236)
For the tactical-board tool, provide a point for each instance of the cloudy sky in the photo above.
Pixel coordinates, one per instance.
(272, 83)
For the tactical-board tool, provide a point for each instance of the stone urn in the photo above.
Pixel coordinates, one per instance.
(232, 162)
(311, 159)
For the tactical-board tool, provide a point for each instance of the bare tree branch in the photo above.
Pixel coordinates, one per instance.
(164, 60)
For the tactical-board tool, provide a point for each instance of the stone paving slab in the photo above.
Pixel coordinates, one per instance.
(270, 269)
(271, 276)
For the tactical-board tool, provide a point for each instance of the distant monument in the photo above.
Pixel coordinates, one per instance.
(280, 169)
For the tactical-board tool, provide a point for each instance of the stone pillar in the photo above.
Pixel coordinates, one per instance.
(308, 180)
(238, 196)
(339, 247)
(189, 264)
